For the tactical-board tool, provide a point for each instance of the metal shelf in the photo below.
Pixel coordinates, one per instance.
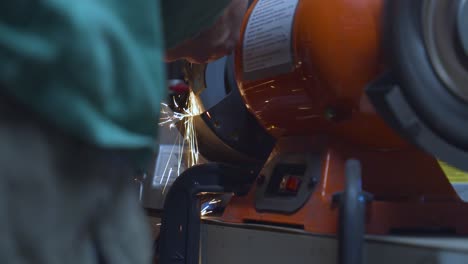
(256, 244)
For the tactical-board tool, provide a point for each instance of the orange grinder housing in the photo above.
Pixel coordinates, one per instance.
(335, 53)
(312, 99)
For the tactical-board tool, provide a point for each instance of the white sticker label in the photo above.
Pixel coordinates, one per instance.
(267, 39)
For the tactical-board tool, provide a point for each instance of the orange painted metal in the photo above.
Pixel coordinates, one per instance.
(406, 197)
(336, 54)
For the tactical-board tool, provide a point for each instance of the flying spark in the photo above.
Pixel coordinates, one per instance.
(187, 142)
(206, 210)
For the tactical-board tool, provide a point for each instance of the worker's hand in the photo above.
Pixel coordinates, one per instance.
(214, 42)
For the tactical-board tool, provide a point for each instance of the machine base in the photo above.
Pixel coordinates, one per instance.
(411, 194)
(251, 244)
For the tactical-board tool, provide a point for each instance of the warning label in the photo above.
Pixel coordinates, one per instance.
(453, 174)
(267, 40)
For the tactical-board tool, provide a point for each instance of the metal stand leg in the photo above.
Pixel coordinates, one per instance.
(180, 229)
(352, 216)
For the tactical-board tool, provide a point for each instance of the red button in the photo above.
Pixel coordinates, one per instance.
(293, 183)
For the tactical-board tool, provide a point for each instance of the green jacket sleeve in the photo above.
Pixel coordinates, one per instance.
(92, 68)
(183, 19)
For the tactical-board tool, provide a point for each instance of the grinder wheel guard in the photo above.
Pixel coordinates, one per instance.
(226, 130)
(426, 99)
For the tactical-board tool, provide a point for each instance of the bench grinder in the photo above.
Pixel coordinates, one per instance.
(356, 101)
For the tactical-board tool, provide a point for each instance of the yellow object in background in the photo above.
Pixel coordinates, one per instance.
(453, 174)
